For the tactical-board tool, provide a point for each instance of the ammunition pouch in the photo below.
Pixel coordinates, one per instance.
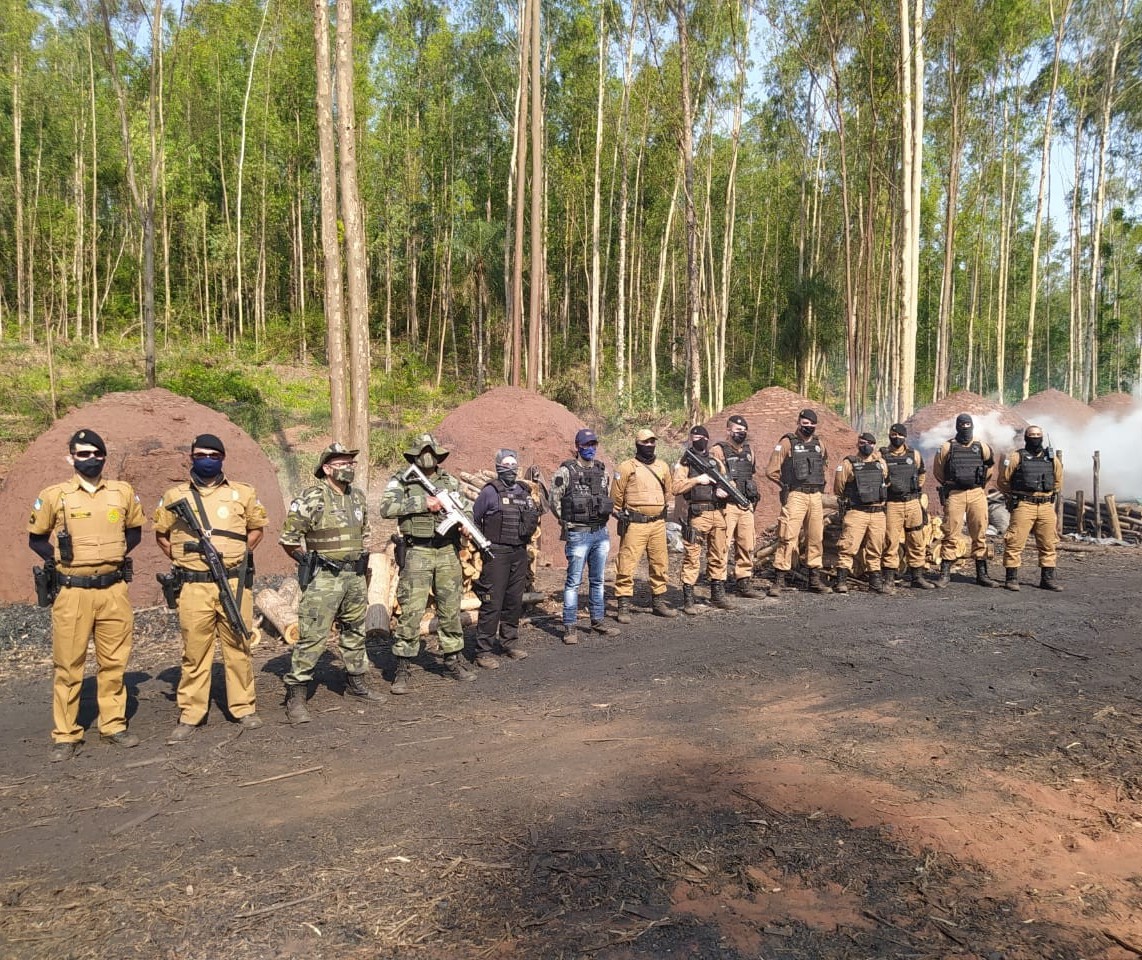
(752, 494)
(46, 585)
(171, 584)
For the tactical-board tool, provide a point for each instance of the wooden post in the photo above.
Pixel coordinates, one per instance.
(1112, 516)
(1094, 498)
(1080, 511)
(1059, 502)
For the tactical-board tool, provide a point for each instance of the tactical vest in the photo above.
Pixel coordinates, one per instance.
(517, 518)
(95, 523)
(423, 525)
(866, 488)
(804, 468)
(740, 467)
(964, 469)
(701, 493)
(1034, 474)
(585, 500)
(328, 535)
(903, 474)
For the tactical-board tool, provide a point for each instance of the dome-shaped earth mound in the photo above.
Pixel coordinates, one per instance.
(1057, 407)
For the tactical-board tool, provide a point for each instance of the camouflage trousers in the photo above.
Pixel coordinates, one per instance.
(340, 597)
(436, 571)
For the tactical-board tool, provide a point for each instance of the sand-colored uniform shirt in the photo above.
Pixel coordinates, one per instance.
(97, 517)
(1011, 464)
(645, 487)
(230, 506)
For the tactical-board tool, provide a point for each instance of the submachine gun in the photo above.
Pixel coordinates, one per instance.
(218, 575)
(454, 515)
(735, 496)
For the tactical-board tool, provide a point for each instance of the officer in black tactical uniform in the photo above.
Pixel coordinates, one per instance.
(508, 515)
(740, 466)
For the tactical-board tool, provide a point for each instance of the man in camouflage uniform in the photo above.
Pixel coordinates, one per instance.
(96, 523)
(235, 519)
(327, 532)
(431, 563)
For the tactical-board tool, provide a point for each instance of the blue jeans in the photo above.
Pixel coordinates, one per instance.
(590, 548)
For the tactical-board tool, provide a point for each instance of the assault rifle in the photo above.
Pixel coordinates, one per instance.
(454, 515)
(691, 459)
(218, 574)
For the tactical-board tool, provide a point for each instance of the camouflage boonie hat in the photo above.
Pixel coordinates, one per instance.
(426, 441)
(334, 449)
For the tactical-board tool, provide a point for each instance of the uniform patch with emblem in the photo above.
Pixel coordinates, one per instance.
(778, 447)
(295, 506)
(223, 512)
(114, 516)
(359, 514)
(39, 503)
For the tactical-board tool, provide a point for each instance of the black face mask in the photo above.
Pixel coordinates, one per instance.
(896, 441)
(1034, 444)
(806, 432)
(738, 437)
(506, 475)
(699, 443)
(90, 468)
(964, 434)
(644, 452)
(865, 449)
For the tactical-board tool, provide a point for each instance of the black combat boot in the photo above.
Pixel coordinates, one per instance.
(876, 582)
(623, 614)
(1047, 580)
(778, 585)
(816, 584)
(402, 678)
(945, 576)
(457, 668)
(921, 582)
(688, 606)
(718, 596)
(1012, 580)
(355, 687)
(296, 711)
(842, 584)
(889, 581)
(659, 607)
(748, 589)
(981, 576)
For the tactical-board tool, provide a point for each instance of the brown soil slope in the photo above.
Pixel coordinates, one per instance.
(1058, 406)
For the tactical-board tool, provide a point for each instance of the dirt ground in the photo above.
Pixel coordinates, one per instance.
(938, 774)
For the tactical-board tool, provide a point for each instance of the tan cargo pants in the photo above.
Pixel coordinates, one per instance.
(800, 509)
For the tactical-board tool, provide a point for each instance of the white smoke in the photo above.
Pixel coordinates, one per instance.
(1118, 439)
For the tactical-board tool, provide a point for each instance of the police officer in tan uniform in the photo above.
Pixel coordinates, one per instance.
(1032, 479)
(641, 490)
(96, 523)
(861, 482)
(705, 522)
(235, 518)
(904, 513)
(740, 465)
(798, 466)
(962, 467)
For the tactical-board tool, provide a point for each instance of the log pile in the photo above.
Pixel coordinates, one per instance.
(1120, 521)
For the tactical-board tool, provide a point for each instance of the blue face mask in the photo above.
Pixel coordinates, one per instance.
(207, 469)
(587, 453)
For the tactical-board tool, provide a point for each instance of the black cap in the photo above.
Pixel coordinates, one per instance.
(207, 441)
(699, 431)
(807, 414)
(738, 421)
(867, 438)
(89, 438)
(899, 429)
(964, 420)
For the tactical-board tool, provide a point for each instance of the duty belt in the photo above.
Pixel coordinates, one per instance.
(1033, 498)
(90, 583)
(903, 498)
(696, 508)
(434, 541)
(203, 576)
(637, 516)
(338, 566)
(871, 508)
(588, 527)
(808, 488)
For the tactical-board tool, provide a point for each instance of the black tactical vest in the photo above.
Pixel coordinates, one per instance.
(740, 467)
(518, 516)
(866, 488)
(702, 492)
(585, 500)
(804, 468)
(903, 474)
(1034, 474)
(964, 469)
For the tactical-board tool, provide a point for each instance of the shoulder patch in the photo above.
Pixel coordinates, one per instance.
(294, 506)
(38, 504)
(778, 447)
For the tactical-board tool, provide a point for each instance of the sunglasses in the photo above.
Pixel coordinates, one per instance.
(206, 456)
(86, 454)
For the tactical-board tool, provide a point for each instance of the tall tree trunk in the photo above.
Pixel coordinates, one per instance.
(660, 288)
(912, 133)
(951, 208)
(238, 265)
(18, 168)
(516, 324)
(538, 261)
(330, 244)
(686, 148)
(594, 308)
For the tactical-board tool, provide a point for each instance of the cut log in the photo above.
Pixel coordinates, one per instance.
(383, 577)
(1112, 516)
(280, 613)
(290, 591)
